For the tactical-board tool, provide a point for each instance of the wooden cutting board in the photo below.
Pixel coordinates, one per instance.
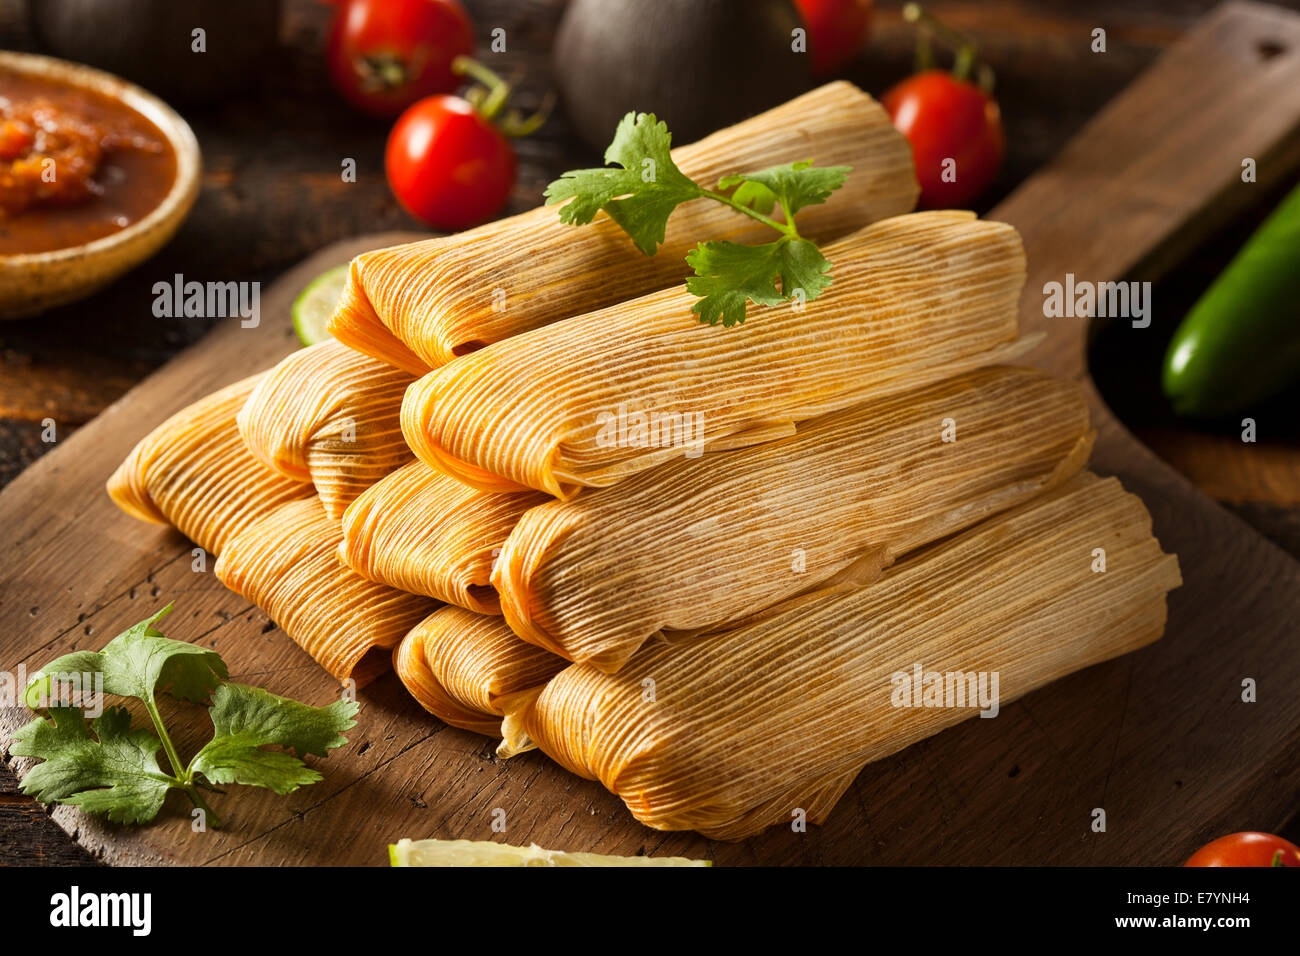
(1160, 739)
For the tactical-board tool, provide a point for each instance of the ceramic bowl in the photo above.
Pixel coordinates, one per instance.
(33, 282)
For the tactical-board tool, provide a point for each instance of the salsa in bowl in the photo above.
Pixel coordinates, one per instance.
(95, 176)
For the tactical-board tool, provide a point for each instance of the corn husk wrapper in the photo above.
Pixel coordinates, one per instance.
(418, 530)
(328, 415)
(691, 545)
(417, 306)
(463, 667)
(287, 564)
(746, 725)
(596, 398)
(193, 472)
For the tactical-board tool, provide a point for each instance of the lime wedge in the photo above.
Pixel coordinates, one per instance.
(316, 303)
(484, 853)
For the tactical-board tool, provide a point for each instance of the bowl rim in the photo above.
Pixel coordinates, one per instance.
(171, 124)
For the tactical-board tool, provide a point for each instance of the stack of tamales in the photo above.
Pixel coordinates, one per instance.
(703, 566)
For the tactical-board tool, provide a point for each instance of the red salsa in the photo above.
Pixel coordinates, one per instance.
(75, 165)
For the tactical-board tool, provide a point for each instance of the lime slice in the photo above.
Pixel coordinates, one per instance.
(484, 853)
(316, 303)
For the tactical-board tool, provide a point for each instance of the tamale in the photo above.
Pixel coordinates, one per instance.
(287, 564)
(461, 667)
(731, 733)
(692, 544)
(328, 415)
(419, 305)
(417, 677)
(193, 472)
(595, 398)
(418, 530)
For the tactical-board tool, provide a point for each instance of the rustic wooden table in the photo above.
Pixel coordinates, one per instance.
(272, 194)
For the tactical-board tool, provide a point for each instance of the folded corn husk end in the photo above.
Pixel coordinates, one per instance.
(194, 473)
(416, 431)
(357, 325)
(287, 564)
(467, 668)
(129, 490)
(421, 531)
(328, 415)
(514, 737)
(417, 677)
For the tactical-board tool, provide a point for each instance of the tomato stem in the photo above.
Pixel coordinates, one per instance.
(383, 71)
(962, 64)
(964, 47)
(924, 51)
(498, 90)
(489, 99)
(516, 125)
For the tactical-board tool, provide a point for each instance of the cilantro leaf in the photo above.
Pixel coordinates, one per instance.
(753, 195)
(246, 719)
(729, 275)
(643, 189)
(67, 671)
(116, 771)
(793, 185)
(138, 663)
(116, 774)
(803, 267)
(639, 194)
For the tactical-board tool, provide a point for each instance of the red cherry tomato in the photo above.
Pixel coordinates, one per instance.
(447, 165)
(944, 118)
(386, 54)
(837, 31)
(1247, 849)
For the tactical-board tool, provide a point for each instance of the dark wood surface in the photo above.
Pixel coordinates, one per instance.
(272, 194)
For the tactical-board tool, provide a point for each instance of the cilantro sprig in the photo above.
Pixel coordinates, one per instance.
(641, 186)
(105, 766)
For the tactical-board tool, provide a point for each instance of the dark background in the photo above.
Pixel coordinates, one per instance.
(271, 194)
